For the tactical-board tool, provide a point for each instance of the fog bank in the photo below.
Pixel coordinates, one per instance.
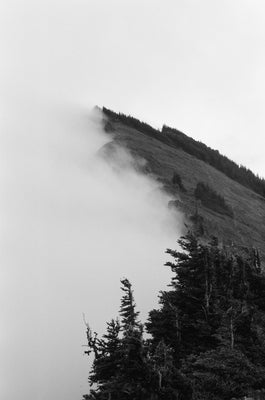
(73, 224)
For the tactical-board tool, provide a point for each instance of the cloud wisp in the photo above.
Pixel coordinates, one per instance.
(74, 221)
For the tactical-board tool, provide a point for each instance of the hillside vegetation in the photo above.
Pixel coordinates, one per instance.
(180, 164)
(206, 339)
(211, 199)
(212, 157)
(197, 149)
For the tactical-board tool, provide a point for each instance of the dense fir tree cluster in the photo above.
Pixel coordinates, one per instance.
(211, 199)
(131, 121)
(177, 180)
(206, 340)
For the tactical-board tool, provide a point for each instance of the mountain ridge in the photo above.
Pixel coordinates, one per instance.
(197, 148)
(167, 157)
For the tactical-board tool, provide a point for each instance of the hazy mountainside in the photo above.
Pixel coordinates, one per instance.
(217, 196)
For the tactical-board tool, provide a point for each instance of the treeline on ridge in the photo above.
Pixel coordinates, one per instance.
(212, 157)
(206, 339)
(175, 138)
(131, 121)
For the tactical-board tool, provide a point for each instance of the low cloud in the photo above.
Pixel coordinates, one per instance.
(77, 215)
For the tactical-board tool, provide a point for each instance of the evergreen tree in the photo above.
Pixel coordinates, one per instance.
(222, 374)
(207, 338)
(107, 357)
(106, 365)
(187, 316)
(127, 310)
(213, 318)
(167, 382)
(133, 369)
(120, 368)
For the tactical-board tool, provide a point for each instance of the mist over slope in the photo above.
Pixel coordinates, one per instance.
(73, 223)
(239, 223)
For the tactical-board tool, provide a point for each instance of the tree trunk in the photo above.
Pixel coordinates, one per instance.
(232, 333)
(159, 380)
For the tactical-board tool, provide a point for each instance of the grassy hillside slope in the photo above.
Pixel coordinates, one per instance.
(244, 228)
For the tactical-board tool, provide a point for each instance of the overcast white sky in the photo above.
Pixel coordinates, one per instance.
(197, 65)
(70, 226)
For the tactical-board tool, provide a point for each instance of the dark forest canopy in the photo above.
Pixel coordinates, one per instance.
(175, 138)
(212, 199)
(206, 340)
